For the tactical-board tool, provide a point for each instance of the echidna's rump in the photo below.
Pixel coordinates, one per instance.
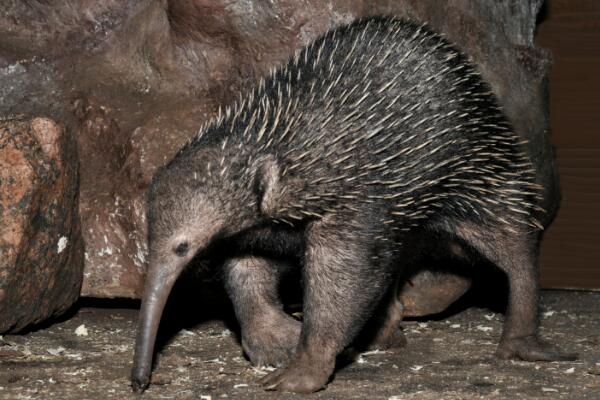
(373, 144)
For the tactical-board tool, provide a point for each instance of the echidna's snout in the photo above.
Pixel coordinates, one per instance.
(159, 282)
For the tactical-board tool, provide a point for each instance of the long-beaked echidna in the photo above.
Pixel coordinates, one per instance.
(373, 138)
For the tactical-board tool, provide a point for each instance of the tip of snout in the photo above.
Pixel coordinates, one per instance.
(139, 383)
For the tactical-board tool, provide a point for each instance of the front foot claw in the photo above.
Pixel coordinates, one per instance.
(530, 348)
(273, 343)
(297, 377)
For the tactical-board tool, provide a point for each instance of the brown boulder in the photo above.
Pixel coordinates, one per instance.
(41, 251)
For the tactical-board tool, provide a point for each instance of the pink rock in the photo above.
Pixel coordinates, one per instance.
(41, 251)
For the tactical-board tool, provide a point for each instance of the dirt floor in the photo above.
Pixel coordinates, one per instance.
(88, 355)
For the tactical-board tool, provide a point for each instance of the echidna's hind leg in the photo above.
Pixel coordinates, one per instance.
(515, 254)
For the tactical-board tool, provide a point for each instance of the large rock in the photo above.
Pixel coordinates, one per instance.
(149, 73)
(41, 260)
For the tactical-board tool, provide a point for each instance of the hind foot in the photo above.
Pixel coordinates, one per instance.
(530, 348)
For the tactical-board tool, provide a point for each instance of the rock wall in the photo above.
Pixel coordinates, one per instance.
(134, 79)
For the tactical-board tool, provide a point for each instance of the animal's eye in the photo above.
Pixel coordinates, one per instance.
(182, 249)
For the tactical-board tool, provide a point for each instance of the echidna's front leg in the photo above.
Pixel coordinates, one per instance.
(269, 335)
(342, 286)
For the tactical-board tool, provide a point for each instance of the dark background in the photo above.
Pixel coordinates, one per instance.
(570, 254)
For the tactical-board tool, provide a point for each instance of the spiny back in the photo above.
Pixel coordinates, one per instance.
(382, 111)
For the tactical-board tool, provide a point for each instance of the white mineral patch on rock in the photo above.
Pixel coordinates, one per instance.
(62, 244)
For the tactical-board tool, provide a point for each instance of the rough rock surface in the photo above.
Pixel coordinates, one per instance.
(145, 74)
(41, 250)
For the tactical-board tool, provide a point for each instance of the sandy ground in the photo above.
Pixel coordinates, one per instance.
(88, 355)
